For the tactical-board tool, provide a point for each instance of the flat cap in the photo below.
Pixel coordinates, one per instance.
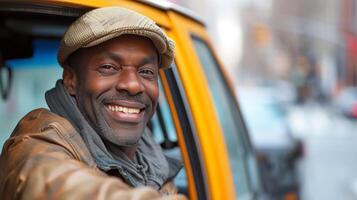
(102, 24)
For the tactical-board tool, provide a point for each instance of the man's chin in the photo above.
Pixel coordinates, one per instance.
(122, 133)
(127, 136)
(126, 142)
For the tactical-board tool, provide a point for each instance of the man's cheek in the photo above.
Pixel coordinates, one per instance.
(154, 92)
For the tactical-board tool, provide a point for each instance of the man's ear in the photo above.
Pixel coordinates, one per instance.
(69, 79)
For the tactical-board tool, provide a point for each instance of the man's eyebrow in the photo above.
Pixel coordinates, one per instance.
(149, 59)
(116, 57)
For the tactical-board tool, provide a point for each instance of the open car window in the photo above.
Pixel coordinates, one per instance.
(31, 78)
(164, 133)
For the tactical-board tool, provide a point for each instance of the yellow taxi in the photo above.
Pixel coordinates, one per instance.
(198, 119)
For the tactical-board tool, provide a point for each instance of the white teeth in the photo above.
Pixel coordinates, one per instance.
(133, 110)
(127, 110)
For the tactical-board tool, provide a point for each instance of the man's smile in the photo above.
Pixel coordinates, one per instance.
(126, 111)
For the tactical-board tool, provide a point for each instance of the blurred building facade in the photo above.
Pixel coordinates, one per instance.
(311, 45)
(349, 32)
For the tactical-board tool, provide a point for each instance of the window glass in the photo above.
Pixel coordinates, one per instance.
(223, 101)
(180, 103)
(166, 116)
(166, 127)
(32, 77)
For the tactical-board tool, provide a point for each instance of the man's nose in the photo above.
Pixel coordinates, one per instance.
(130, 81)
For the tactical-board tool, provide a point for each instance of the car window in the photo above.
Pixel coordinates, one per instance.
(164, 133)
(187, 126)
(166, 126)
(225, 110)
(32, 77)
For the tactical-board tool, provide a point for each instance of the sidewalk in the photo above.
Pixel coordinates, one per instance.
(328, 168)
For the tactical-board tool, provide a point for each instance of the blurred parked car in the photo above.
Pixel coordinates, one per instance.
(346, 102)
(276, 149)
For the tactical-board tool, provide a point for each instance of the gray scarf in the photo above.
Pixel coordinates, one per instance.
(150, 166)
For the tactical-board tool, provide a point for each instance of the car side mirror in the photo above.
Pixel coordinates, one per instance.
(5, 81)
(13, 45)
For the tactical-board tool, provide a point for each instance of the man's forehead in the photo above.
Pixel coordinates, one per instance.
(119, 56)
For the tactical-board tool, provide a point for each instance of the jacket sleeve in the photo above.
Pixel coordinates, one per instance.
(38, 167)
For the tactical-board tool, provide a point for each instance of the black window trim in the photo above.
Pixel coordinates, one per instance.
(188, 130)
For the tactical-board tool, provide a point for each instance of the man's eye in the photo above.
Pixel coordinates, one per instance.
(146, 71)
(107, 68)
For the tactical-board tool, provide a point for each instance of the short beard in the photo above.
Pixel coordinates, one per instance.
(106, 132)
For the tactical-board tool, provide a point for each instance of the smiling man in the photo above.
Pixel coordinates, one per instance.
(93, 143)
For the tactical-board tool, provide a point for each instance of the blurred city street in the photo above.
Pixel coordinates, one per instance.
(310, 47)
(328, 168)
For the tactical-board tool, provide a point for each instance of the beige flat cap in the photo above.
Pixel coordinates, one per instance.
(102, 24)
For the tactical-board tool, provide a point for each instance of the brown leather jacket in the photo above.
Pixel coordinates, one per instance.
(45, 158)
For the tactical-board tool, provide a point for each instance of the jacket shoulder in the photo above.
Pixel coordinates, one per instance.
(37, 120)
(44, 127)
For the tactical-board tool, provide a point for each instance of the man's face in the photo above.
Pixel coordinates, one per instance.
(116, 87)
